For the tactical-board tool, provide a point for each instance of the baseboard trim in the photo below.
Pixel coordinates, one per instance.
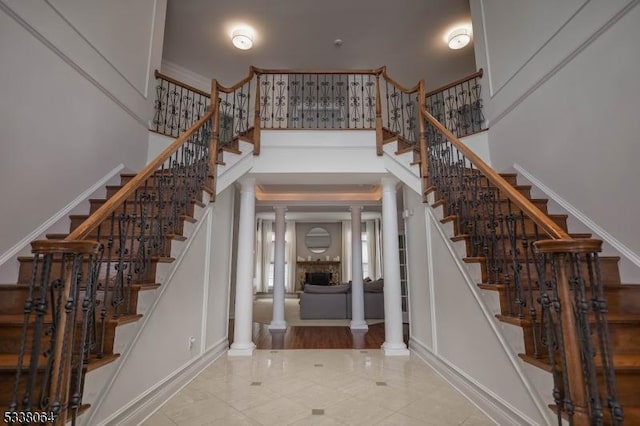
(20, 245)
(143, 407)
(594, 227)
(490, 404)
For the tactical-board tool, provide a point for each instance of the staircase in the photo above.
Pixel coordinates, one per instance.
(137, 238)
(521, 306)
(623, 303)
(114, 309)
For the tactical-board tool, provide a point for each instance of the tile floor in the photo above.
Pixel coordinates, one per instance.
(318, 387)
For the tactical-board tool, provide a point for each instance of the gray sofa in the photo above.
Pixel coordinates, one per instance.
(334, 302)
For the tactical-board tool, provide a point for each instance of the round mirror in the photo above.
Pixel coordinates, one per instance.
(317, 240)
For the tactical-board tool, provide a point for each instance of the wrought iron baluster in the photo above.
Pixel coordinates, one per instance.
(527, 250)
(581, 312)
(600, 309)
(550, 306)
(370, 103)
(516, 267)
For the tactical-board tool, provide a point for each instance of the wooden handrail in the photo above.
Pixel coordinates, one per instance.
(239, 84)
(129, 188)
(455, 83)
(158, 74)
(398, 85)
(315, 71)
(542, 220)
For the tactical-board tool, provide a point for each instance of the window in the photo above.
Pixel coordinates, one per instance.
(365, 256)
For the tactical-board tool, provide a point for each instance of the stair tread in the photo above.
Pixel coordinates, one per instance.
(612, 318)
(574, 235)
(607, 288)
(85, 216)
(104, 200)
(550, 215)
(623, 362)
(230, 150)
(25, 287)
(8, 362)
(389, 140)
(62, 236)
(158, 259)
(474, 259)
(18, 319)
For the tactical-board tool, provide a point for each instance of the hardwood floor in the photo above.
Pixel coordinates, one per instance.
(298, 337)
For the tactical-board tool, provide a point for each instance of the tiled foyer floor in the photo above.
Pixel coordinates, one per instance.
(318, 387)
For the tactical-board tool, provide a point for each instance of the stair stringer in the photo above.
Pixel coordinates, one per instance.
(236, 166)
(109, 390)
(400, 166)
(481, 359)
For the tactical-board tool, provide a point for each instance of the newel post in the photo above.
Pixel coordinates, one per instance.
(422, 101)
(215, 137)
(256, 121)
(379, 135)
(561, 253)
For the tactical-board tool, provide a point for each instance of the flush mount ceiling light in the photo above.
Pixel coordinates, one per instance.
(458, 38)
(242, 38)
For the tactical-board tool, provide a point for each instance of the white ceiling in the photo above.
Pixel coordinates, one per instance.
(405, 35)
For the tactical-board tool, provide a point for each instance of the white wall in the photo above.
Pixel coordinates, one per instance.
(564, 101)
(74, 78)
(318, 151)
(453, 326)
(217, 319)
(187, 76)
(417, 270)
(192, 303)
(479, 144)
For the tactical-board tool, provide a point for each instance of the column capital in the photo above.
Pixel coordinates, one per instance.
(389, 184)
(355, 208)
(280, 207)
(247, 184)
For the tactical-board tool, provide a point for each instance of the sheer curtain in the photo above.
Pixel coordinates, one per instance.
(264, 254)
(346, 250)
(374, 248)
(257, 272)
(290, 256)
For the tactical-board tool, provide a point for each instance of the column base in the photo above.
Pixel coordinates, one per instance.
(241, 349)
(359, 325)
(394, 349)
(278, 325)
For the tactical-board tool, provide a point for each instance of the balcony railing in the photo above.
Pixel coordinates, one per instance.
(178, 106)
(458, 105)
(295, 99)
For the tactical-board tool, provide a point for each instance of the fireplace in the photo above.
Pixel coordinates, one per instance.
(330, 268)
(317, 278)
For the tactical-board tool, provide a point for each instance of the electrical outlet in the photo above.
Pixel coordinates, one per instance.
(192, 341)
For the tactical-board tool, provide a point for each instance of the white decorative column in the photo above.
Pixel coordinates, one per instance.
(357, 288)
(393, 337)
(242, 328)
(277, 320)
